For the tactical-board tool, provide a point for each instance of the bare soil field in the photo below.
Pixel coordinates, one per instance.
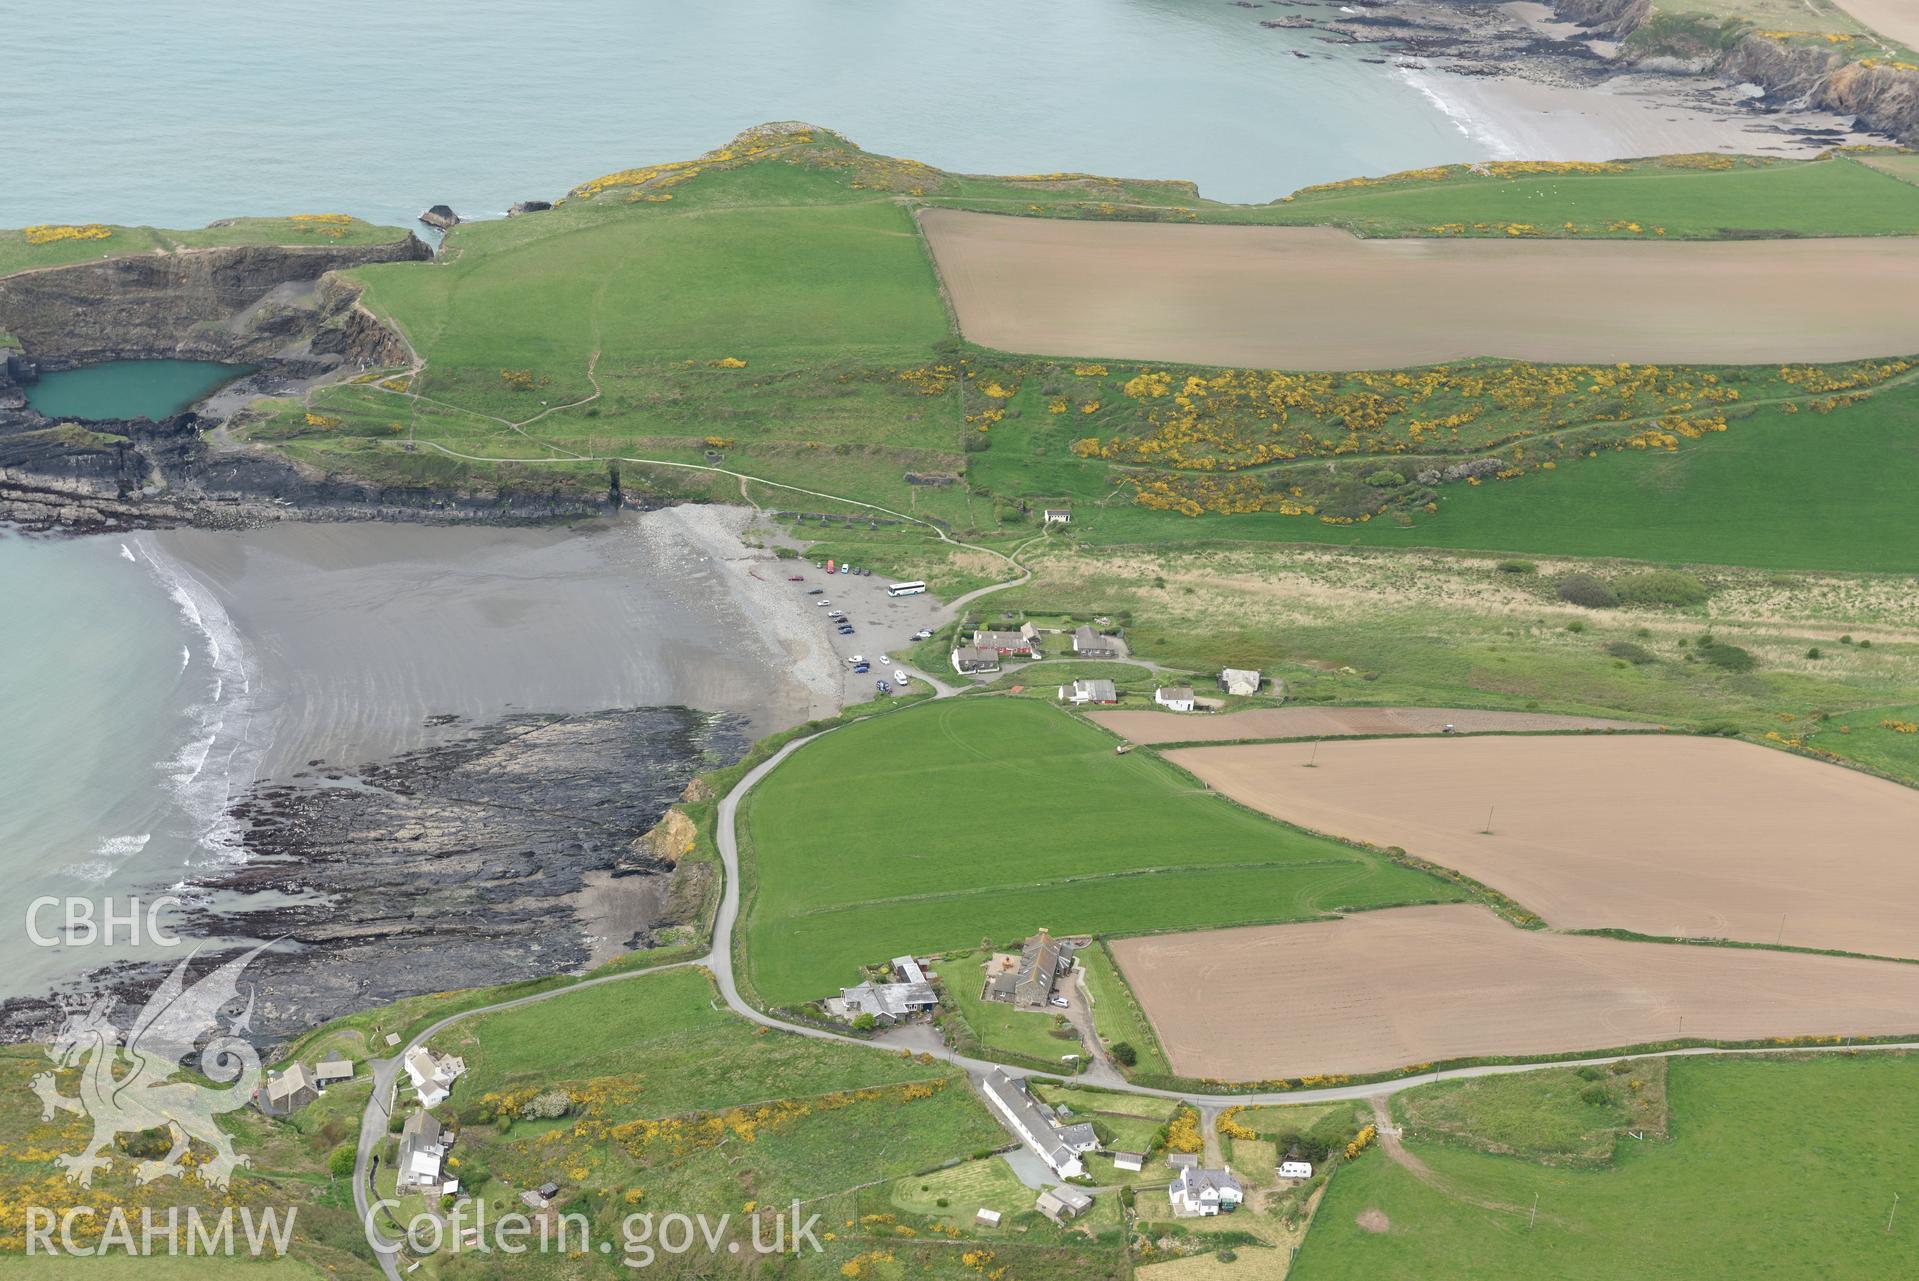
(1318, 298)
(1339, 722)
(1895, 18)
(1383, 990)
(1670, 836)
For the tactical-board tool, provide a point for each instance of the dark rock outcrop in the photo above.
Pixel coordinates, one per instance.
(441, 218)
(528, 206)
(458, 865)
(240, 304)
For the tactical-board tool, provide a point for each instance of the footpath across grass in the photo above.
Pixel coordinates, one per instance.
(986, 818)
(1776, 1168)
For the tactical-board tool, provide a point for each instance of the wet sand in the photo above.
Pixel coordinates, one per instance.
(361, 635)
(1318, 298)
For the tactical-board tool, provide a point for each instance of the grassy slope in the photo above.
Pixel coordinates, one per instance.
(664, 1028)
(930, 830)
(1764, 493)
(1833, 197)
(801, 260)
(661, 1046)
(17, 255)
(1775, 1169)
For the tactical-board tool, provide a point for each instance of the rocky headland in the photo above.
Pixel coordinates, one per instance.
(486, 858)
(282, 310)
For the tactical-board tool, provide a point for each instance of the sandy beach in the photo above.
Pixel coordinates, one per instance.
(1626, 117)
(364, 637)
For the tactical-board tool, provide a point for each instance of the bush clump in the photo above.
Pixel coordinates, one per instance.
(1124, 1054)
(1729, 657)
(548, 1105)
(1587, 591)
(1385, 480)
(1638, 655)
(1661, 588)
(1517, 567)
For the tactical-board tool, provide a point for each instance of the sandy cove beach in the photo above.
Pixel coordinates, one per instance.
(1623, 118)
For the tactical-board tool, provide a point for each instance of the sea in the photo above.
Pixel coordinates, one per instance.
(138, 696)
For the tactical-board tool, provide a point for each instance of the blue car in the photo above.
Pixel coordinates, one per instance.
(846, 631)
(862, 668)
(883, 687)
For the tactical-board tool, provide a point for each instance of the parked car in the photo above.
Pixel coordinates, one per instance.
(862, 668)
(844, 568)
(857, 658)
(924, 633)
(882, 687)
(882, 660)
(838, 613)
(823, 604)
(1060, 1001)
(796, 578)
(846, 631)
(900, 675)
(816, 591)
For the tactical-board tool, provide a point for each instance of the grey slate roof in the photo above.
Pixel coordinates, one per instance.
(1019, 1103)
(1039, 962)
(894, 1000)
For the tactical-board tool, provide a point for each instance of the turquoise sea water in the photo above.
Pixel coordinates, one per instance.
(128, 388)
(204, 109)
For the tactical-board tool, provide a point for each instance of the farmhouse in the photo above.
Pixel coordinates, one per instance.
(1197, 1192)
(1063, 1203)
(1089, 644)
(1057, 516)
(887, 1002)
(332, 1071)
(1238, 680)
(968, 658)
(1017, 1109)
(907, 970)
(292, 1090)
(1027, 981)
(1003, 643)
(420, 1155)
(1175, 698)
(432, 1074)
(1079, 693)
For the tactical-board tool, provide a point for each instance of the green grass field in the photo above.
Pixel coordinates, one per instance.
(1834, 197)
(1760, 493)
(18, 253)
(947, 824)
(670, 1031)
(1775, 1168)
(1558, 1116)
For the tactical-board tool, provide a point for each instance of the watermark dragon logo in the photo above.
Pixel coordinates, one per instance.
(126, 1083)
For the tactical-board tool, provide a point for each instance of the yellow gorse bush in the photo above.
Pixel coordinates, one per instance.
(47, 233)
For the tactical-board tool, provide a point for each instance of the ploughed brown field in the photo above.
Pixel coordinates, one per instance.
(1390, 989)
(1318, 298)
(1339, 722)
(1662, 835)
(1896, 18)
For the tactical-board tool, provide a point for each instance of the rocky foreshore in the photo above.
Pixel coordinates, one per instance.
(468, 863)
